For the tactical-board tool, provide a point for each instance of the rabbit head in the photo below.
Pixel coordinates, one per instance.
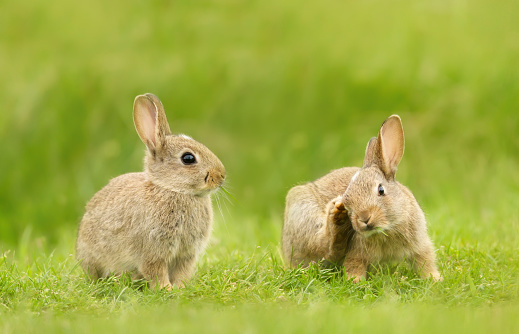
(175, 162)
(375, 201)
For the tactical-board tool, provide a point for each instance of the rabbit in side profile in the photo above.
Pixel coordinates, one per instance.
(355, 217)
(156, 223)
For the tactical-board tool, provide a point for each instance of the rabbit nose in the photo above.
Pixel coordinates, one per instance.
(367, 224)
(219, 177)
(214, 177)
(365, 218)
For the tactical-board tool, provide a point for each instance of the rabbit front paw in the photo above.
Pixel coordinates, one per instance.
(337, 213)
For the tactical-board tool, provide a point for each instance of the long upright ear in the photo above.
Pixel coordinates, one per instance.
(150, 121)
(389, 146)
(370, 152)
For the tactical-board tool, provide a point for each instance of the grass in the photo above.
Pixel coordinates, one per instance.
(282, 92)
(236, 291)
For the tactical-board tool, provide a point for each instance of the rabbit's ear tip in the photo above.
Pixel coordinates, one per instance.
(148, 96)
(153, 96)
(141, 98)
(392, 119)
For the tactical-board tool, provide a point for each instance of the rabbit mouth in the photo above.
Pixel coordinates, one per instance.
(211, 186)
(366, 228)
(369, 227)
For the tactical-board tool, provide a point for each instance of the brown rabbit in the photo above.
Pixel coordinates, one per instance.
(360, 216)
(156, 223)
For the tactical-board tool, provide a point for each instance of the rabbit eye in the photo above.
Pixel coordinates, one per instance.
(381, 190)
(188, 158)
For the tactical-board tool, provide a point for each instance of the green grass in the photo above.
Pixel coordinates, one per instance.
(282, 92)
(250, 290)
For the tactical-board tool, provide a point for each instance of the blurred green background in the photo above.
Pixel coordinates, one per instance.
(281, 91)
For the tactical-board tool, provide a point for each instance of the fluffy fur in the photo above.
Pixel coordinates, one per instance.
(355, 217)
(156, 223)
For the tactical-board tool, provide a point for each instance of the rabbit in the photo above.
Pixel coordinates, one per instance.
(355, 217)
(156, 223)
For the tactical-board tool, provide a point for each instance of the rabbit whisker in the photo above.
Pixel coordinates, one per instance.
(219, 204)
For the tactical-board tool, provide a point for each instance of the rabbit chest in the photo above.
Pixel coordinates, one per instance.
(386, 248)
(180, 227)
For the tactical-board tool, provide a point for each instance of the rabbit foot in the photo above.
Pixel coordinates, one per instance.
(356, 278)
(436, 276)
(355, 268)
(178, 284)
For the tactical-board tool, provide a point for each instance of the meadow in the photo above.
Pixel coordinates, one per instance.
(283, 92)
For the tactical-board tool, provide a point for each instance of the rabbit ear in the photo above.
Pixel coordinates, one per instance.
(370, 152)
(389, 146)
(150, 121)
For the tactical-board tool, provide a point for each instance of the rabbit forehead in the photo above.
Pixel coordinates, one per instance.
(177, 144)
(364, 180)
(368, 175)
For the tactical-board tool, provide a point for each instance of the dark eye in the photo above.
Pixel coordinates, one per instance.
(188, 158)
(381, 190)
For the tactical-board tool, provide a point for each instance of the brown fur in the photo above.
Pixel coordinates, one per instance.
(156, 223)
(341, 218)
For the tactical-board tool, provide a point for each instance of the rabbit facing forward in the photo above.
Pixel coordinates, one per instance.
(355, 217)
(153, 224)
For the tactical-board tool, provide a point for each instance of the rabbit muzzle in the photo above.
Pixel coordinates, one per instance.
(214, 179)
(369, 221)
